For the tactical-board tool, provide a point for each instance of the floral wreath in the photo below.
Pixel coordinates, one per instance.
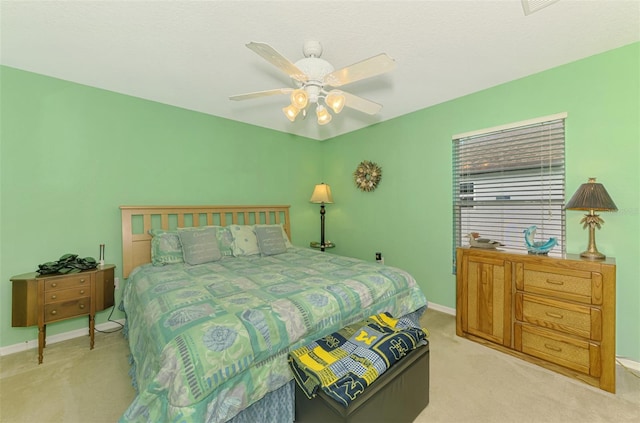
(367, 176)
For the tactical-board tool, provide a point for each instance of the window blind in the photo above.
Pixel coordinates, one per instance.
(509, 179)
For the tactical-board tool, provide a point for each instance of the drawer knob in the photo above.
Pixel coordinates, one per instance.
(53, 285)
(552, 347)
(54, 312)
(81, 306)
(82, 291)
(53, 297)
(81, 280)
(554, 315)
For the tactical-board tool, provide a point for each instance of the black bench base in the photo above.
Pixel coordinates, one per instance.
(397, 396)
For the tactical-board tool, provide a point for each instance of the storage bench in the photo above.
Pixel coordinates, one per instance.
(397, 396)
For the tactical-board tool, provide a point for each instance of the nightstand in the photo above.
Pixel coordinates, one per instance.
(327, 244)
(39, 300)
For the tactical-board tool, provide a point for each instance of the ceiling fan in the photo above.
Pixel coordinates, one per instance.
(315, 81)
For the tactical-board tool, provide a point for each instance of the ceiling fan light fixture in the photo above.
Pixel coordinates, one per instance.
(291, 112)
(299, 98)
(335, 100)
(323, 114)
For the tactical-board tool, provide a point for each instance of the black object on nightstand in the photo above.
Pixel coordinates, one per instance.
(327, 244)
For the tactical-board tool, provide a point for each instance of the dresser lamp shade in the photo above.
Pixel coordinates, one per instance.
(592, 197)
(322, 195)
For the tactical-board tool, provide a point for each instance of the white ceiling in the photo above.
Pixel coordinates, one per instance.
(192, 54)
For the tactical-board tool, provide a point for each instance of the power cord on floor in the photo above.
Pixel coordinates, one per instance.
(112, 321)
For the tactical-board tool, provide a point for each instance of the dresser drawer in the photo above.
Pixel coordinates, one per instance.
(572, 353)
(575, 285)
(67, 282)
(574, 319)
(56, 296)
(63, 310)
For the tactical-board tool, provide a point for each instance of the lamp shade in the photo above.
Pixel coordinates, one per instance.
(591, 196)
(323, 114)
(335, 99)
(299, 98)
(322, 194)
(291, 112)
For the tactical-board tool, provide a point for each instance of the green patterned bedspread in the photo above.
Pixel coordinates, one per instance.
(209, 340)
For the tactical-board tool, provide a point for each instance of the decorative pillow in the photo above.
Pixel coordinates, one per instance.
(270, 240)
(284, 234)
(225, 240)
(200, 245)
(245, 242)
(165, 247)
(223, 234)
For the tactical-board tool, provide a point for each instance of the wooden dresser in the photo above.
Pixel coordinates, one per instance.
(39, 300)
(558, 313)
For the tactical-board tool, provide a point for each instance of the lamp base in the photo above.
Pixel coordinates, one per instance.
(593, 255)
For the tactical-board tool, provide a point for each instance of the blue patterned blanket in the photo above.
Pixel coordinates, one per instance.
(345, 362)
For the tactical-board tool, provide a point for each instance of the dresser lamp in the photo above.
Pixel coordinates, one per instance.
(322, 195)
(592, 197)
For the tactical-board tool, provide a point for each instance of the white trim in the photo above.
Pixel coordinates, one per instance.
(533, 121)
(443, 309)
(625, 362)
(32, 344)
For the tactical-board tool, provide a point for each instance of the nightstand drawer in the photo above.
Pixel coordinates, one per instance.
(57, 296)
(574, 319)
(63, 310)
(67, 282)
(563, 350)
(575, 285)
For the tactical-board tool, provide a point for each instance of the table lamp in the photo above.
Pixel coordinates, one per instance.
(322, 194)
(592, 197)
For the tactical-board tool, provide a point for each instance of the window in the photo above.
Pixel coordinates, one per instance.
(509, 178)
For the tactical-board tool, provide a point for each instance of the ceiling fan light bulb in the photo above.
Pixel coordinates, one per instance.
(291, 112)
(335, 100)
(323, 114)
(299, 98)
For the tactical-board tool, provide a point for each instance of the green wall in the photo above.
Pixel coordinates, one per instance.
(408, 217)
(70, 155)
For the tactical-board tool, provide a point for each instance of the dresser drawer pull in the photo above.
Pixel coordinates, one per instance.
(554, 315)
(82, 291)
(53, 312)
(53, 285)
(81, 280)
(81, 306)
(555, 282)
(552, 347)
(53, 297)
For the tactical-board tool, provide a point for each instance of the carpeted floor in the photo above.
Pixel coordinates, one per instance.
(469, 383)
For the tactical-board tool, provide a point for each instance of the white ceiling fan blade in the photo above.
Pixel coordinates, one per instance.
(258, 94)
(367, 68)
(272, 56)
(361, 104)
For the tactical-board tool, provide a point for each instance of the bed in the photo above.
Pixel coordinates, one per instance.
(211, 319)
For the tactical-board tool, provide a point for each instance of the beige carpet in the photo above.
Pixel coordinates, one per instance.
(469, 383)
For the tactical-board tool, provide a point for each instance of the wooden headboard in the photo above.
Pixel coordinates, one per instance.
(137, 220)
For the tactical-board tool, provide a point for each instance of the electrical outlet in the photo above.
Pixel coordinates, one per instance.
(116, 282)
(379, 258)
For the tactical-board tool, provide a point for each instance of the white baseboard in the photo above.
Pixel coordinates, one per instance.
(32, 344)
(625, 362)
(443, 309)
